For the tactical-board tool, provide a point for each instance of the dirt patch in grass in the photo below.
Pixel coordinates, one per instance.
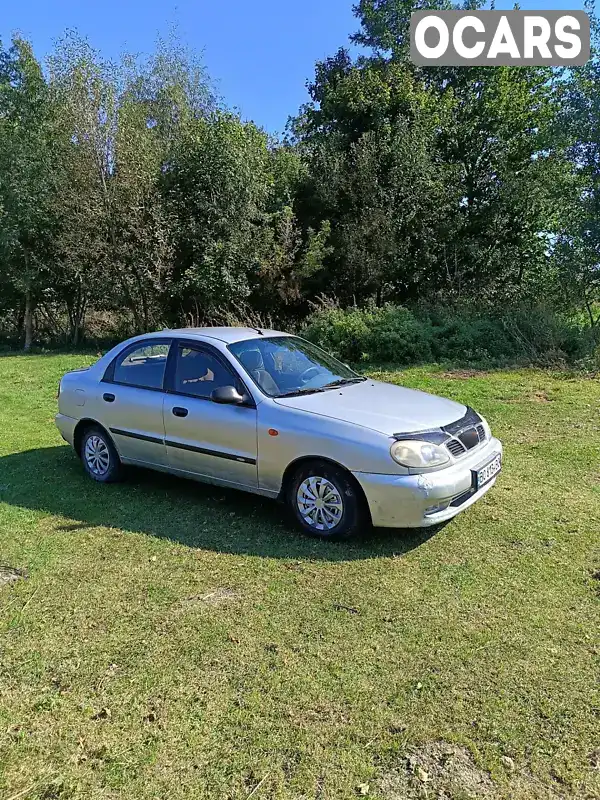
(216, 597)
(464, 374)
(540, 397)
(438, 769)
(447, 771)
(211, 599)
(10, 574)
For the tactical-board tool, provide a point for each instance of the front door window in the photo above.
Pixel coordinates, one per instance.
(198, 373)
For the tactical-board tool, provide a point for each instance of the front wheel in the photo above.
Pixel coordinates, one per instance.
(100, 459)
(325, 502)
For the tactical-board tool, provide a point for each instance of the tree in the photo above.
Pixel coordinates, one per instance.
(437, 181)
(577, 245)
(125, 121)
(216, 185)
(385, 24)
(29, 132)
(129, 193)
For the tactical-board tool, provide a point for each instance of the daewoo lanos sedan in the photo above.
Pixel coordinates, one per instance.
(272, 414)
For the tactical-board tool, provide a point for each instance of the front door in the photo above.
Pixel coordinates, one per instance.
(203, 437)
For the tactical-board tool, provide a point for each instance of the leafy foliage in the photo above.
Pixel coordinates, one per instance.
(28, 138)
(131, 198)
(578, 238)
(396, 335)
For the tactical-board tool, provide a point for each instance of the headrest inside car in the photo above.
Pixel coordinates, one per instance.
(252, 359)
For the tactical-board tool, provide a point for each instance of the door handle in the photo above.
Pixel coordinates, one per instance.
(180, 412)
(110, 398)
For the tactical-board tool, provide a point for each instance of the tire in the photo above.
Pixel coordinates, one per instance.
(99, 456)
(342, 514)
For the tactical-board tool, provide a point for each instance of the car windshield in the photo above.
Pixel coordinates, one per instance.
(285, 366)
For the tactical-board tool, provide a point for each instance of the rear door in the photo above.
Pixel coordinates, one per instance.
(131, 401)
(203, 437)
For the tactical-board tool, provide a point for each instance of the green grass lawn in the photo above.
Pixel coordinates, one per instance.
(179, 641)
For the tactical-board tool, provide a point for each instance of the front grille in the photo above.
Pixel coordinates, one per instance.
(456, 448)
(466, 433)
(466, 440)
(469, 438)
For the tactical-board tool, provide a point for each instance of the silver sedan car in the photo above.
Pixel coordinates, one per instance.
(273, 414)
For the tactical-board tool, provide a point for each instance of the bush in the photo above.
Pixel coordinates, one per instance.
(341, 332)
(394, 334)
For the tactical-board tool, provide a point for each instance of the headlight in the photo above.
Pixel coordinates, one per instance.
(415, 453)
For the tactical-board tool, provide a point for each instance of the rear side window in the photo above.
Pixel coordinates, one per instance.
(143, 366)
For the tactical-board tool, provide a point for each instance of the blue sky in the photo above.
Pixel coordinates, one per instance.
(258, 52)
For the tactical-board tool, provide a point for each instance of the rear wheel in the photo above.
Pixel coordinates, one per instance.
(100, 459)
(325, 502)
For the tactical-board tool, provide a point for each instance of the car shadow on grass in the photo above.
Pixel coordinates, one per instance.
(197, 515)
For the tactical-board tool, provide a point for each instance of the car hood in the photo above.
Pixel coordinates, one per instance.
(380, 406)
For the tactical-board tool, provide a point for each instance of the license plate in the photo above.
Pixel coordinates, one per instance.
(489, 471)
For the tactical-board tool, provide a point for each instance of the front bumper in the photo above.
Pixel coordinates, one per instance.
(409, 501)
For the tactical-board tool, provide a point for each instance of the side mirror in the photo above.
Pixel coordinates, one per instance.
(227, 395)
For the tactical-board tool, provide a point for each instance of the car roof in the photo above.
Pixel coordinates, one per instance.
(227, 335)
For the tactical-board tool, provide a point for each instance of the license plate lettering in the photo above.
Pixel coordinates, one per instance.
(489, 471)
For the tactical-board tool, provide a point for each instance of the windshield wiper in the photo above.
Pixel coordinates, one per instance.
(343, 382)
(317, 389)
(296, 392)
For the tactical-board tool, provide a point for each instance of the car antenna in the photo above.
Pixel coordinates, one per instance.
(258, 330)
